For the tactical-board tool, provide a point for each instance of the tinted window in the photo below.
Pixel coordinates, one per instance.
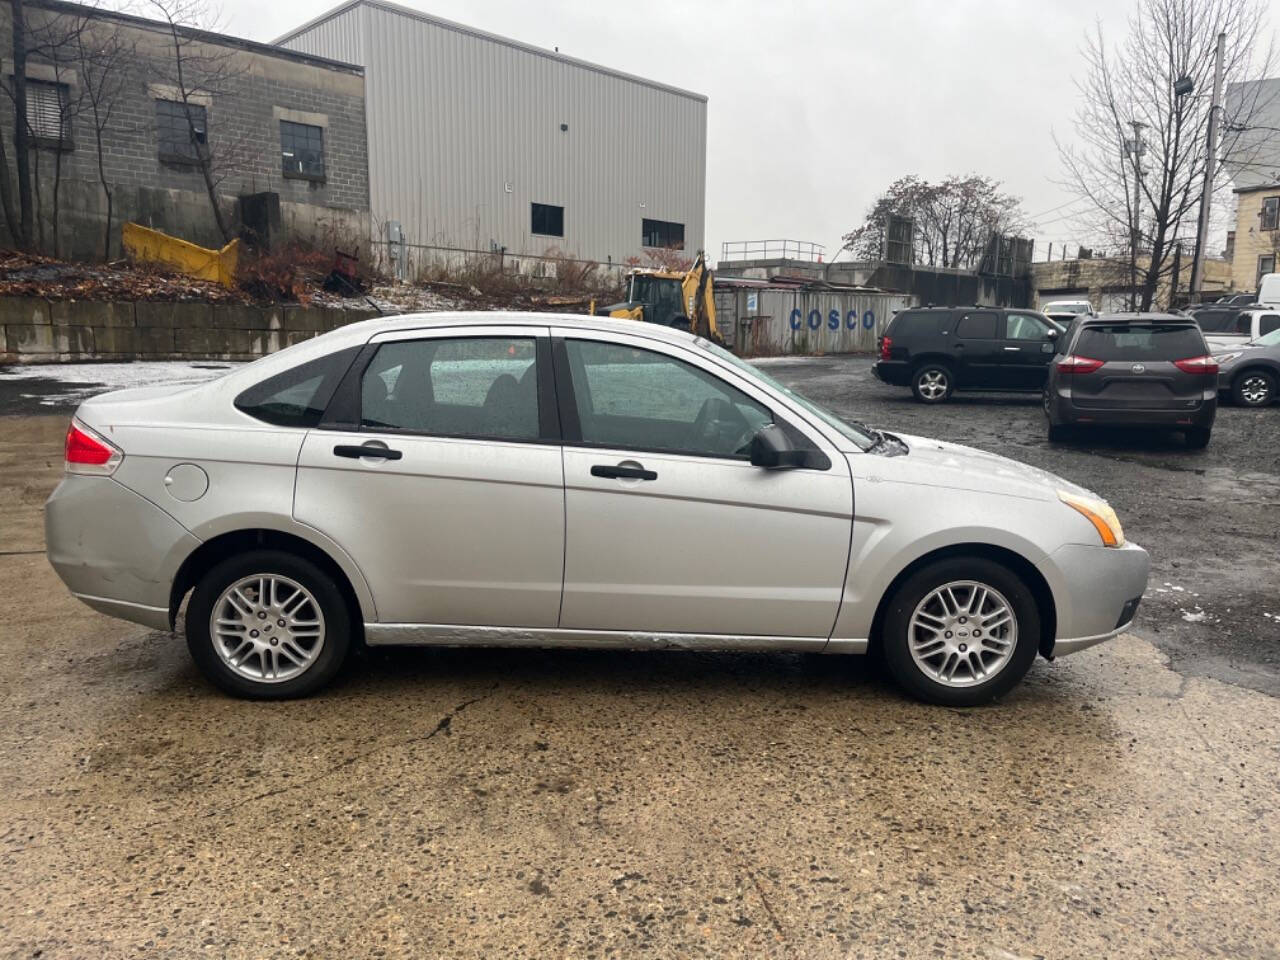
(914, 324)
(977, 326)
(297, 397)
(1216, 321)
(639, 399)
(463, 387)
(1269, 323)
(1020, 326)
(1140, 342)
(547, 220)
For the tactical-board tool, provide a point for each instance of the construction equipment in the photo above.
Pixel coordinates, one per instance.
(671, 298)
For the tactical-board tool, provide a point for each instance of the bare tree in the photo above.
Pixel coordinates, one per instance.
(1138, 153)
(201, 74)
(103, 57)
(953, 219)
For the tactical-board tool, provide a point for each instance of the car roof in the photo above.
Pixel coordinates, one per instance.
(1107, 318)
(508, 318)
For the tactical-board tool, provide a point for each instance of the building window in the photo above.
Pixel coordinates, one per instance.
(47, 110)
(302, 150)
(1266, 265)
(178, 139)
(660, 233)
(1270, 213)
(548, 221)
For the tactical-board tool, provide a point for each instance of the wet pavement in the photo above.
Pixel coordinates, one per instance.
(1122, 802)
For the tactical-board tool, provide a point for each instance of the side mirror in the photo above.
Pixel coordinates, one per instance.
(772, 449)
(1053, 333)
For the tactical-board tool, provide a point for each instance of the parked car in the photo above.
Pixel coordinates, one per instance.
(1134, 370)
(1214, 319)
(1249, 324)
(1250, 374)
(937, 350)
(527, 479)
(1073, 307)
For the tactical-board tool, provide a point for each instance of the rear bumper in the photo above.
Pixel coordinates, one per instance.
(1096, 591)
(1062, 412)
(893, 372)
(115, 550)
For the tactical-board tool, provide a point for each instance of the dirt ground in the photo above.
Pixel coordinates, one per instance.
(1122, 802)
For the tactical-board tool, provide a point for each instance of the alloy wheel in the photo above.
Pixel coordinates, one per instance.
(932, 384)
(1255, 390)
(267, 628)
(963, 633)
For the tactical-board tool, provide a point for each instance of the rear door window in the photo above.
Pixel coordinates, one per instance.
(297, 397)
(1140, 342)
(1269, 323)
(977, 326)
(454, 387)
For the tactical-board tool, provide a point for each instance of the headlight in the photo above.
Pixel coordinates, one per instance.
(1222, 358)
(1100, 514)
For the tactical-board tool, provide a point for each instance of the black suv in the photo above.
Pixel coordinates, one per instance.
(935, 350)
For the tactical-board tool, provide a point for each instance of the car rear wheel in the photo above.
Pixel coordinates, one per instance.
(1198, 437)
(268, 625)
(1254, 388)
(960, 632)
(931, 383)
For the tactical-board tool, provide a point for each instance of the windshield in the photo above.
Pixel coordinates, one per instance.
(863, 440)
(1271, 339)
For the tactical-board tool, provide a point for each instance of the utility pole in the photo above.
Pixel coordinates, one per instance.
(1210, 162)
(1136, 149)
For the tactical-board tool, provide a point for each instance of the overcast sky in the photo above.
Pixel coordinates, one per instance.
(815, 107)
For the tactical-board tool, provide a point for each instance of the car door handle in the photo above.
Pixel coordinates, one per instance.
(1013, 349)
(355, 452)
(623, 473)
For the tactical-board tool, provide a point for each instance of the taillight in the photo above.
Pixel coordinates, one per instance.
(1204, 364)
(1074, 364)
(885, 344)
(88, 453)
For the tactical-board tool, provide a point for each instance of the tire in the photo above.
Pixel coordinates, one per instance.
(1059, 432)
(1198, 437)
(1254, 388)
(932, 383)
(305, 659)
(1007, 658)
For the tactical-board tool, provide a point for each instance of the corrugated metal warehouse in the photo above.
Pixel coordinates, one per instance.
(478, 142)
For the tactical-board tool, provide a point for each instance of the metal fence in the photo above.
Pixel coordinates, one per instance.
(772, 250)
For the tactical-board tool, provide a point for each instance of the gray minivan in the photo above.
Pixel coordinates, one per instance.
(1133, 370)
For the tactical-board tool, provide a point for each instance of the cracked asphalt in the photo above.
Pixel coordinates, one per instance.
(521, 803)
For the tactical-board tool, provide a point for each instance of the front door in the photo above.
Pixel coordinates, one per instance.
(1025, 351)
(669, 528)
(447, 489)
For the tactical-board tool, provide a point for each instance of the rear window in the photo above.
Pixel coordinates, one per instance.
(297, 397)
(915, 324)
(1140, 342)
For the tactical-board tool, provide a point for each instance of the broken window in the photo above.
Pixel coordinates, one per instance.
(302, 150)
(660, 233)
(178, 137)
(47, 110)
(548, 220)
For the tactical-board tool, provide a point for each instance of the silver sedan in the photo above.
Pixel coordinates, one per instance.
(511, 479)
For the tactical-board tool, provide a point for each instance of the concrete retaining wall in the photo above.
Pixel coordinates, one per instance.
(53, 331)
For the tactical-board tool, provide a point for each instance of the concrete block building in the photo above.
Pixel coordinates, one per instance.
(481, 143)
(288, 126)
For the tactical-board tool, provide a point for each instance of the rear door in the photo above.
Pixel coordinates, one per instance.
(1138, 370)
(1025, 351)
(975, 347)
(438, 470)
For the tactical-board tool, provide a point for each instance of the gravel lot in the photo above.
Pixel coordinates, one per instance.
(1122, 802)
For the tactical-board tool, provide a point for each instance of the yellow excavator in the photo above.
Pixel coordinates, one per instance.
(686, 300)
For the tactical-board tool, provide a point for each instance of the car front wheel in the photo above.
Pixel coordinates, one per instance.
(960, 632)
(268, 625)
(931, 383)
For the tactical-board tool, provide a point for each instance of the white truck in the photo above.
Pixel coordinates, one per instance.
(1249, 325)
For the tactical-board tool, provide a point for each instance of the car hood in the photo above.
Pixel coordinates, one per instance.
(936, 463)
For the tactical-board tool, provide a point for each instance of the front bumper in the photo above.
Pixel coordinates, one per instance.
(115, 550)
(1096, 592)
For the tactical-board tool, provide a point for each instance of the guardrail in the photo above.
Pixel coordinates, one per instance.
(773, 250)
